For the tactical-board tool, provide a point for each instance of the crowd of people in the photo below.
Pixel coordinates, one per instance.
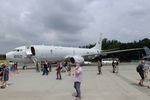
(115, 67)
(60, 67)
(66, 67)
(143, 68)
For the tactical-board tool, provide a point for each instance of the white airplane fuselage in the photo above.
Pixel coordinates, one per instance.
(39, 53)
(26, 54)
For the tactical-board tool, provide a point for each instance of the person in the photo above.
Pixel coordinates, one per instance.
(58, 71)
(77, 80)
(12, 68)
(69, 69)
(49, 67)
(140, 70)
(16, 67)
(99, 67)
(45, 68)
(146, 70)
(117, 65)
(64, 66)
(5, 76)
(114, 66)
(1, 73)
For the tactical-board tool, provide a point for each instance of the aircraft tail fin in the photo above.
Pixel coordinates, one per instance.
(147, 51)
(99, 43)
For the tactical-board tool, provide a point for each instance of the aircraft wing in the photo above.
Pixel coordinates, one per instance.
(117, 51)
(105, 52)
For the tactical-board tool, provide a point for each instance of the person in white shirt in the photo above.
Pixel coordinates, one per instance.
(77, 80)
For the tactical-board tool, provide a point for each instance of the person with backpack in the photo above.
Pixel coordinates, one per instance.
(140, 70)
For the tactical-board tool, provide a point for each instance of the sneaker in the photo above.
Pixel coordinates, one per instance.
(78, 98)
(140, 84)
(2, 87)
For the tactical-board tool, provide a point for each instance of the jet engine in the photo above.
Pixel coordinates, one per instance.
(77, 59)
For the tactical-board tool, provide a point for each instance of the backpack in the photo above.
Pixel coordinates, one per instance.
(139, 67)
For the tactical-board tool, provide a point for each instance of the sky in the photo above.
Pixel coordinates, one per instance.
(71, 23)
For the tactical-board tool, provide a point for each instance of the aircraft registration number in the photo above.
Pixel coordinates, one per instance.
(17, 56)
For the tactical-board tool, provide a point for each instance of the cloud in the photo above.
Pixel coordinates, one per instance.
(71, 22)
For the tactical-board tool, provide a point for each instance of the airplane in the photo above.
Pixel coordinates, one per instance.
(37, 53)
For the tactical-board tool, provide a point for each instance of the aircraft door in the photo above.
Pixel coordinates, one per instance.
(30, 51)
(33, 51)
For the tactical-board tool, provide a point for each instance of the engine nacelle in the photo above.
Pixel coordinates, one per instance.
(77, 59)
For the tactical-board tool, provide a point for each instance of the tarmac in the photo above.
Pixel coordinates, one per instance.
(31, 85)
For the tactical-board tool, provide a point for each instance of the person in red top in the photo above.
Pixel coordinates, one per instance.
(16, 67)
(58, 69)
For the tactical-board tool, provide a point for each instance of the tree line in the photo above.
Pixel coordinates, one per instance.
(115, 44)
(2, 56)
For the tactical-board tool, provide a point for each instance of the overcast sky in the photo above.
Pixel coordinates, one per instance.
(71, 22)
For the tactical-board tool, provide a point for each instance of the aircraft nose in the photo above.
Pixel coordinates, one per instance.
(9, 56)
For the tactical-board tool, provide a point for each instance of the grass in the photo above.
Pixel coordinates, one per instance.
(3, 61)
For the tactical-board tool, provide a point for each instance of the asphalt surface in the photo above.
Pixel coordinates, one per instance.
(31, 85)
